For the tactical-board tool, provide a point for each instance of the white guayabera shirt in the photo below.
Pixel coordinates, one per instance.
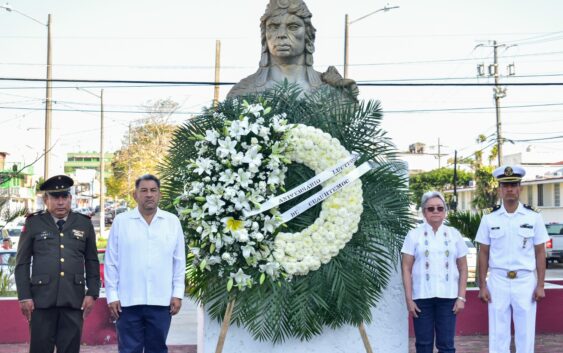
(145, 264)
(434, 272)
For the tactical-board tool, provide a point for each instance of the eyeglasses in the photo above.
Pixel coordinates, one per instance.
(432, 209)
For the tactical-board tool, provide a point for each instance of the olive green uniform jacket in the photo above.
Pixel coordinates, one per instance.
(61, 263)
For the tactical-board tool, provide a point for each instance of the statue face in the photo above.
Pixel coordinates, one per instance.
(285, 35)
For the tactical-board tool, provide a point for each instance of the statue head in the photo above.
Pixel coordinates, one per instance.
(275, 12)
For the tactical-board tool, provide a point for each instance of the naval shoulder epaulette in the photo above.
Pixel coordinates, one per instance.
(491, 209)
(29, 215)
(531, 208)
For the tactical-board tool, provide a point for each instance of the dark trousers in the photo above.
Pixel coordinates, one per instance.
(60, 327)
(436, 318)
(143, 327)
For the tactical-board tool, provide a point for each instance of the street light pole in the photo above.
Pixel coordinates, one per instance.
(102, 166)
(347, 24)
(48, 100)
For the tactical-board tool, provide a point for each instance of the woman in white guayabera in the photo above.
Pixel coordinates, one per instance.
(434, 276)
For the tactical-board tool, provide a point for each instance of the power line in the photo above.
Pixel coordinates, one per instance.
(209, 83)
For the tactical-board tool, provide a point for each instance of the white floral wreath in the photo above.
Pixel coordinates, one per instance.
(233, 173)
(305, 251)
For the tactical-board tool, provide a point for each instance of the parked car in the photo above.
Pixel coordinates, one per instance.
(471, 260)
(13, 230)
(554, 246)
(7, 265)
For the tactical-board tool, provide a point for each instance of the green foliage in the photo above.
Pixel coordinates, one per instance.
(485, 188)
(143, 149)
(466, 222)
(343, 290)
(101, 243)
(438, 180)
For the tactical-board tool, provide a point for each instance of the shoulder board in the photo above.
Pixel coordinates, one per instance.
(531, 208)
(29, 215)
(83, 215)
(491, 209)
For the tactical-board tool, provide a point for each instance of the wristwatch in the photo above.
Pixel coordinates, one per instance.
(462, 299)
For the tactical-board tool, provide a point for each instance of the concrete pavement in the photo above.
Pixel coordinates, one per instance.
(464, 344)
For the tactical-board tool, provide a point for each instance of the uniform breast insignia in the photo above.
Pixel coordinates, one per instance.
(44, 234)
(527, 226)
(531, 208)
(78, 233)
(495, 228)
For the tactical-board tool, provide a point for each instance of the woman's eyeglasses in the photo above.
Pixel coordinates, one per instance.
(432, 209)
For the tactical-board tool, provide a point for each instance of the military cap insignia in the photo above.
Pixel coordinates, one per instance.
(508, 171)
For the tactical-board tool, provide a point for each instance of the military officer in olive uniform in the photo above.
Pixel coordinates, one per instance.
(512, 249)
(56, 260)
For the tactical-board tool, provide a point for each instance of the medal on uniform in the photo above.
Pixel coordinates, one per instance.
(524, 242)
(78, 233)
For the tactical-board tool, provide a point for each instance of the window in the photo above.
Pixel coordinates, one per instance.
(540, 195)
(556, 195)
(530, 192)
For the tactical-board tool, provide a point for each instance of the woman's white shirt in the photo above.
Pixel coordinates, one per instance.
(431, 278)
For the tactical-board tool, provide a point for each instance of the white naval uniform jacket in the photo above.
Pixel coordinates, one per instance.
(512, 237)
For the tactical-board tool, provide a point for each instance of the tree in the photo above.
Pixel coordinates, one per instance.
(438, 179)
(144, 148)
(485, 188)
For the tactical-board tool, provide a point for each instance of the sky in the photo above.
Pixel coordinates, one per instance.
(423, 41)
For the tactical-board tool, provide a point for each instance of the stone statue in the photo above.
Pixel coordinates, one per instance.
(288, 44)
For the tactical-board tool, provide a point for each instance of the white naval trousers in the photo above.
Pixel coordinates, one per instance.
(512, 296)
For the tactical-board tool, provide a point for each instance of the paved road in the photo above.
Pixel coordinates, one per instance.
(554, 271)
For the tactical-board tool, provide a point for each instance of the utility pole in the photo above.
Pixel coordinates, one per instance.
(217, 71)
(499, 92)
(102, 172)
(440, 153)
(454, 201)
(48, 102)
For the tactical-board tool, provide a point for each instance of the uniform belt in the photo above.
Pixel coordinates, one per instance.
(511, 274)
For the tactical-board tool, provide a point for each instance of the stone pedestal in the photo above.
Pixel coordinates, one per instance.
(388, 332)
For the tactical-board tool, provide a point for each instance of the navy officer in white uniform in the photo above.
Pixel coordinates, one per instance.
(512, 250)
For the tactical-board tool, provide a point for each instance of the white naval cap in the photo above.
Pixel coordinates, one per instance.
(509, 173)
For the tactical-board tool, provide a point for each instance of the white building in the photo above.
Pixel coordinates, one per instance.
(541, 186)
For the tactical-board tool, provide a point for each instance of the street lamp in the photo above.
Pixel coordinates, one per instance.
(102, 198)
(48, 101)
(347, 24)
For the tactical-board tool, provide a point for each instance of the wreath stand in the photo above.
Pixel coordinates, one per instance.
(227, 322)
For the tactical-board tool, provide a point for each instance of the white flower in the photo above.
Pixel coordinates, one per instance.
(247, 251)
(204, 165)
(211, 136)
(236, 159)
(253, 158)
(239, 128)
(226, 148)
(213, 204)
(254, 109)
(227, 177)
(271, 268)
(240, 278)
(241, 202)
(270, 224)
(244, 178)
